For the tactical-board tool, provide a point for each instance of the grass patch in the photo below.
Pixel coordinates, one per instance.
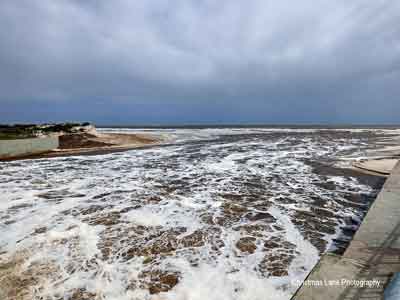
(23, 131)
(14, 136)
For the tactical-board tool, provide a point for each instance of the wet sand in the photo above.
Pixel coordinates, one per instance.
(380, 166)
(380, 161)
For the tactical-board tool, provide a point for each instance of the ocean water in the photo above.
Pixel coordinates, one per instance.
(217, 214)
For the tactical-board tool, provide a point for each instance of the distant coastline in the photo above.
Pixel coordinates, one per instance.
(255, 125)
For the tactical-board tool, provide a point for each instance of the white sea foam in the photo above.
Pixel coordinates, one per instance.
(102, 223)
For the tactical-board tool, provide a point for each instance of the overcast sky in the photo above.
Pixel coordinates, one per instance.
(200, 61)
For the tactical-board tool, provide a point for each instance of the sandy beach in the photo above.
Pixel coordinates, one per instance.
(381, 160)
(95, 143)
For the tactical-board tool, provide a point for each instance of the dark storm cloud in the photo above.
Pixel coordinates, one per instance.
(200, 61)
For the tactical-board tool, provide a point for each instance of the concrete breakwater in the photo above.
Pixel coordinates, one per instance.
(371, 259)
(21, 147)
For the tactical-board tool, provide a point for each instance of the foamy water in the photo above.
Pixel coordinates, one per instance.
(233, 214)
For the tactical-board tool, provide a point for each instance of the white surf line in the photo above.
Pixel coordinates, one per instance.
(309, 255)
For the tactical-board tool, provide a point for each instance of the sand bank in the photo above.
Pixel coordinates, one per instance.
(380, 166)
(382, 159)
(95, 143)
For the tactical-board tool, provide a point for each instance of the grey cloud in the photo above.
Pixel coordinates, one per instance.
(265, 59)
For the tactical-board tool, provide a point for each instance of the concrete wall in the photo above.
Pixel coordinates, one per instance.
(13, 148)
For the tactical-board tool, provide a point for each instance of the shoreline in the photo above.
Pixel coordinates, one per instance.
(379, 167)
(97, 144)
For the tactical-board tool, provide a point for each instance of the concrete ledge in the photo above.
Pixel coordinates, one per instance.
(372, 257)
(325, 280)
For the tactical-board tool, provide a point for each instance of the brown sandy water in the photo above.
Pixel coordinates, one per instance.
(219, 214)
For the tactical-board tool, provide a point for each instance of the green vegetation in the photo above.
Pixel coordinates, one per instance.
(23, 131)
(10, 136)
(16, 132)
